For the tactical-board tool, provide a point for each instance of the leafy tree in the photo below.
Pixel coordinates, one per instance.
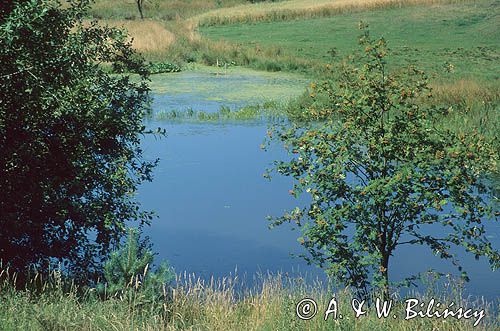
(70, 157)
(380, 173)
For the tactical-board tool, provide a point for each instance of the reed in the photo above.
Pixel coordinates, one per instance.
(225, 303)
(475, 106)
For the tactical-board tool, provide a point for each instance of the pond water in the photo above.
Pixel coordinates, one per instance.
(212, 200)
(208, 88)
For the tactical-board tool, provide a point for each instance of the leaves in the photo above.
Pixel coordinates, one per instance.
(70, 156)
(377, 169)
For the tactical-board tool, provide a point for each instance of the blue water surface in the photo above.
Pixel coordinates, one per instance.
(212, 201)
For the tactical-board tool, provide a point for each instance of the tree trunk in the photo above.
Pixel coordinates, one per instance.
(139, 6)
(384, 266)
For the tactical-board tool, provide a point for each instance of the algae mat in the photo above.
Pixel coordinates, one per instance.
(208, 88)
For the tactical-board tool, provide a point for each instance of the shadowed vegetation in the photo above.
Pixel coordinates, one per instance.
(54, 304)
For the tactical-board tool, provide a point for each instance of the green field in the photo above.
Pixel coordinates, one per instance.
(457, 44)
(465, 35)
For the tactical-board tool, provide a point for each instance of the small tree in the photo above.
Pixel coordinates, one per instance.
(70, 155)
(381, 174)
(128, 272)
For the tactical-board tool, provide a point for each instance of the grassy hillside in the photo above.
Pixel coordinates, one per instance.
(465, 35)
(180, 19)
(163, 10)
(456, 43)
(305, 9)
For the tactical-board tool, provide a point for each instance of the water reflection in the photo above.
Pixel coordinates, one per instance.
(212, 202)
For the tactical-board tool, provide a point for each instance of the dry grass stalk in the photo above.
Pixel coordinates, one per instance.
(147, 35)
(294, 9)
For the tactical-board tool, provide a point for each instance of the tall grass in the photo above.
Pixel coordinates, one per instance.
(214, 304)
(271, 59)
(148, 36)
(475, 106)
(303, 9)
(164, 10)
(267, 111)
(466, 92)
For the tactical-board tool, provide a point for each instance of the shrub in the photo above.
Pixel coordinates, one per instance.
(128, 273)
(70, 135)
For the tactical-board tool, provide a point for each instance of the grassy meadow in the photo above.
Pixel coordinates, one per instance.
(293, 37)
(465, 35)
(213, 305)
(456, 43)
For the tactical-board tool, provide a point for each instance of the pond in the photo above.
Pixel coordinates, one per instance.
(212, 200)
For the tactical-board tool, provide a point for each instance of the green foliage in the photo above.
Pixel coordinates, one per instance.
(70, 156)
(380, 174)
(128, 272)
(269, 110)
(162, 67)
(152, 68)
